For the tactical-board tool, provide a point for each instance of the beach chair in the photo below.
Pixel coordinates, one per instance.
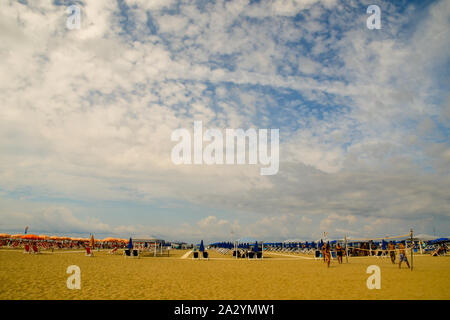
(26, 249)
(205, 255)
(127, 253)
(35, 249)
(317, 255)
(195, 255)
(113, 251)
(89, 253)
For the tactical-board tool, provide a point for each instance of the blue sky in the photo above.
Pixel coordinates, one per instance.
(88, 114)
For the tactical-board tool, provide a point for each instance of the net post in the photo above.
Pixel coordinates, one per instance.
(346, 249)
(412, 248)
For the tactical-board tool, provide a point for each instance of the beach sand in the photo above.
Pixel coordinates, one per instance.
(106, 276)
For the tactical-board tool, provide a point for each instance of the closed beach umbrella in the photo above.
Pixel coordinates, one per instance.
(256, 247)
(202, 248)
(130, 244)
(92, 241)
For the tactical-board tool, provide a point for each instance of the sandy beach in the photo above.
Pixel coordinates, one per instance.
(105, 276)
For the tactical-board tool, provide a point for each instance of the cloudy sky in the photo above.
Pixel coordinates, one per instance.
(86, 117)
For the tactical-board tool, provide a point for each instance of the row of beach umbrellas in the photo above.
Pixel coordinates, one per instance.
(57, 238)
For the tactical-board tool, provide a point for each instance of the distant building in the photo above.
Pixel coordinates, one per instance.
(149, 241)
(179, 245)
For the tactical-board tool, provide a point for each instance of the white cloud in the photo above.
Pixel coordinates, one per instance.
(86, 112)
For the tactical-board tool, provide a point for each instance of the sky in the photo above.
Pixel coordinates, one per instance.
(86, 117)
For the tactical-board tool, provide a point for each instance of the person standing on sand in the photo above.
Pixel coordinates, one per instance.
(324, 249)
(339, 252)
(328, 254)
(403, 255)
(391, 249)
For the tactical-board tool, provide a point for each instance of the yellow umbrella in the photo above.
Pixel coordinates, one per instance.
(92, 242)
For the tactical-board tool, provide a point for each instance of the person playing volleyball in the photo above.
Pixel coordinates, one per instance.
(391, 249)
(403, 255)
(328, 254)
(339, 252)
(324, 249)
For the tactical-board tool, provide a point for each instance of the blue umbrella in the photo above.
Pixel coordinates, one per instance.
(130, 244)
(202, 248)
(146, 245)
(256, 249)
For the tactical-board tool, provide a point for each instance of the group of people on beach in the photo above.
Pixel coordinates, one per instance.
(326, 253)
(402, 251)
(340, 252)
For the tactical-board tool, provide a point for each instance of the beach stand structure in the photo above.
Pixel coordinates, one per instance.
(128, 252)
(152, 246)
(243, 249)
(134, 253)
